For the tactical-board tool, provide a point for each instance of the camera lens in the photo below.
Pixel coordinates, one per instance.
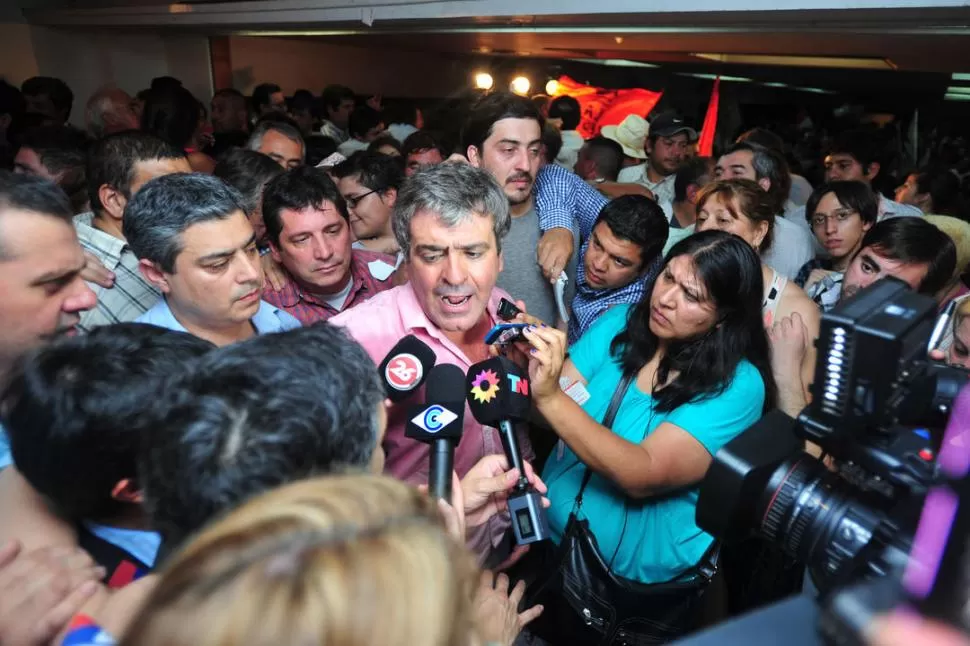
(810, 513)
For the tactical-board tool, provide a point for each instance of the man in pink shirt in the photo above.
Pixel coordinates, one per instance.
(449, 221)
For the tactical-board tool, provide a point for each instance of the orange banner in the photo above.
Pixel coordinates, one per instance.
(602, 107)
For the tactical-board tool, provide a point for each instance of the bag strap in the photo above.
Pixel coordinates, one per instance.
(611, 411)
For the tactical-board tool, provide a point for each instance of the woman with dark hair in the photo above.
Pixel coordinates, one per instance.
(176, 116)
(698, 354)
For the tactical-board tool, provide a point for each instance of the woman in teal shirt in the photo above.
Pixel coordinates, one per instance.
(698, 348)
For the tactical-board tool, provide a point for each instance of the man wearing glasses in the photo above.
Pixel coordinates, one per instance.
(369, 183)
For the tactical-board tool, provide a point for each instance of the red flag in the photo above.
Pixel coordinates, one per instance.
(705, 145)
(602, 107)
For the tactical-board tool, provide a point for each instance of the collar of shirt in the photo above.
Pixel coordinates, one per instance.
(891, 209)
(292, 294)
(268, 319)
(413, 316)
(105, 246)
(589, 303)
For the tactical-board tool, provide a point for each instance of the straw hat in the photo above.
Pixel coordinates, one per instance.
(630, 134)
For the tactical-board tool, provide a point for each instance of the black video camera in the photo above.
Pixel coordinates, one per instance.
(878, 412)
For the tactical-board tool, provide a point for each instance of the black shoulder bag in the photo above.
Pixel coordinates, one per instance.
(587, 603)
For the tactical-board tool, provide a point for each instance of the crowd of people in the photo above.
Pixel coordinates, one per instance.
(196, 299)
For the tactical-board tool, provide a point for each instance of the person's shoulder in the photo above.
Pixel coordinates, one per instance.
(388, 300)
(630, 174)
(362, 254)
(791, 231)
(157, 314)
(795, 300)
(612, 321)
(747, 379)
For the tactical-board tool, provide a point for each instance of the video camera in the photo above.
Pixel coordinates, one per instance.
(878, 415)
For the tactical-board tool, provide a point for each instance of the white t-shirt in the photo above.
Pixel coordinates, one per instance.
(351, 146)
(572, 141)
(336, 301)
(791, 247)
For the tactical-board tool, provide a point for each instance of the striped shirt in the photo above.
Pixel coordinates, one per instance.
(131, 295)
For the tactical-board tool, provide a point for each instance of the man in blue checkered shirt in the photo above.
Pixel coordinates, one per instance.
(621, 247)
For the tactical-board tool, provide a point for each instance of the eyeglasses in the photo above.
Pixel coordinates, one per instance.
(821, 219)
(352, 202)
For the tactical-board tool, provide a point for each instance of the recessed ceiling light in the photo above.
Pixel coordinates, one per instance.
(612, 62)
(801, 61)
(775, 84)
(814, 90)
(956, 97)
(960, 77)
(619, 40)
(958, 90)
(712, 77)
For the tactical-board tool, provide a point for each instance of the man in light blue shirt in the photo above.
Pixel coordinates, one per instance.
(195, 244)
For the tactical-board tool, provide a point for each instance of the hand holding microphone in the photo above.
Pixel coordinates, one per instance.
(498, 396)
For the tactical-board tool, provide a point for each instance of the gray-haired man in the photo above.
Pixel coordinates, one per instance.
(279, 140)
(449, 220)
(195, 244)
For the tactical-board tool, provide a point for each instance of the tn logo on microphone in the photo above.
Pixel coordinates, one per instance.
(434, 418)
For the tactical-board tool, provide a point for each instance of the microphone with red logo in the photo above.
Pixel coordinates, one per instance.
(406, 367)
(498, 396)
(439, 423)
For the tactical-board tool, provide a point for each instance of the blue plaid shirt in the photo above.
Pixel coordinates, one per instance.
(562, 199)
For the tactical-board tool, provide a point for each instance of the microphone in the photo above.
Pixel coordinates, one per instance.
(406, 367)
(498, 396)
(439, 423)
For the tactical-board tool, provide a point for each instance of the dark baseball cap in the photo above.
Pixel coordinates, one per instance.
(668, 124)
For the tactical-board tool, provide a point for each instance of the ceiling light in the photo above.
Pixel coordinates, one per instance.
(814, 90)
(775, 84)
(612, 62)
(960, 77)
(714, 77)
(552, 86)
(483, 81)
(958, 90)
(956, 97)
(619, 40)
(801, 61)
(520, 85)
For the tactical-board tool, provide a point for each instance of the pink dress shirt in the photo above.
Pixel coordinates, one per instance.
(378, 324)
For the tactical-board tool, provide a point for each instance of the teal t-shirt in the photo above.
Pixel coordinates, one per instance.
(654, 539)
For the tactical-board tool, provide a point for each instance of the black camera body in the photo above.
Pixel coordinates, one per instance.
(878, 413)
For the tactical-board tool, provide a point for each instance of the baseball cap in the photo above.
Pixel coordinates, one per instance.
(668, 124)
(630, 134)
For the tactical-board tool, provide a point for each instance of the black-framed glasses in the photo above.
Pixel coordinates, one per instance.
(352, 202)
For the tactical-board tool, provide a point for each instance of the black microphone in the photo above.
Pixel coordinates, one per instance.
(498, 396)
(406, 367)
(439, 423)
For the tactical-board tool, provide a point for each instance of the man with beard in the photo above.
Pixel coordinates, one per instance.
(503, 136)
(195, 244)
(667, 146)
(40, 271)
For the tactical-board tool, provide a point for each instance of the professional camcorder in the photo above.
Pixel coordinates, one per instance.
(878, 417)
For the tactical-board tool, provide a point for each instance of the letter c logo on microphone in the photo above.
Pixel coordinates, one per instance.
(434, 418)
